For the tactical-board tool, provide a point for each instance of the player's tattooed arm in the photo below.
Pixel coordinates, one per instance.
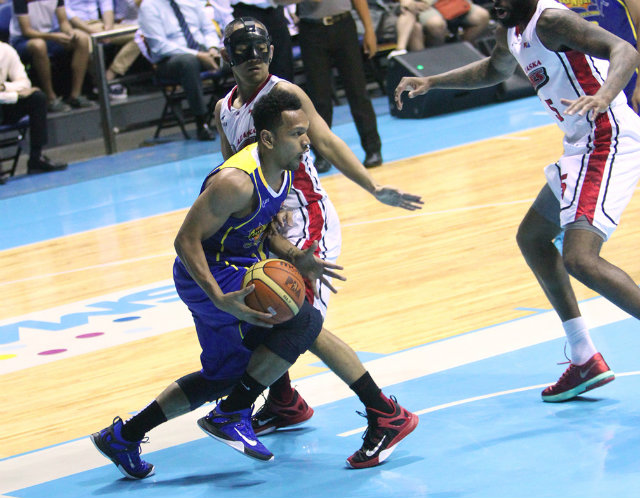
(562, 30)
(486, 72)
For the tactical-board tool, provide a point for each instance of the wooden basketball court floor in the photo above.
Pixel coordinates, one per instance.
(438, 304)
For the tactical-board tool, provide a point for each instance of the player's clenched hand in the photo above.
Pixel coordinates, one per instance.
(394, 197)
(233, 303)
(313, 268)
(283, 219)
(585, 104)
(415, 86)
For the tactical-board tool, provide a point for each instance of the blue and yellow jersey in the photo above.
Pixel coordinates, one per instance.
(614, 16)
(241, 241)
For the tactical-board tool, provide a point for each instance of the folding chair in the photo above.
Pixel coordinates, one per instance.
(173, 112)
(11, 136)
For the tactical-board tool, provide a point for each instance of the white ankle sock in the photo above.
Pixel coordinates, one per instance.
(579, 340)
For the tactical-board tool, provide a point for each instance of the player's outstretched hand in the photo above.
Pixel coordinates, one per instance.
(313, 268)
(394, 197)
(233, 303)
(585, 104)
(415, 86)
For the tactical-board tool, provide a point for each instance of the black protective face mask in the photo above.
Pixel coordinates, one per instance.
(249, 43)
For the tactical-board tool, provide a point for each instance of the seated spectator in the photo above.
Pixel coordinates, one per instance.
(420, 24)
(181, 42)
(39, 30)
(96, 16)
(18, 99)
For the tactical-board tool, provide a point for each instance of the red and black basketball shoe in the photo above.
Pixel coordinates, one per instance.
(578, 379)
(384, 432)
(275, 415)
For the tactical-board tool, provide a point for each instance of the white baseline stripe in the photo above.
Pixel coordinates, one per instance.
(474, 399)
(455, 403)
(80, 455)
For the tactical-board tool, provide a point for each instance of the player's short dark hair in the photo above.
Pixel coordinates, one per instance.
(267, 113)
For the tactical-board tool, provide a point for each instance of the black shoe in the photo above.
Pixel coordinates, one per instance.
(80, 102)
(372, 159)
(43, 165)
(206, 134)
(321, 164)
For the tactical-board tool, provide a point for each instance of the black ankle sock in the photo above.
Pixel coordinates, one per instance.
(243, 395)
(370, 394)
(200, 120)
(35, 154)
(137, 426)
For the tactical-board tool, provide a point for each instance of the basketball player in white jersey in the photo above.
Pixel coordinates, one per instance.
(578, 71)
(248, 50)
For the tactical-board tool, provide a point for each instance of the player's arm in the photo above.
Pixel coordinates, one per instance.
(230, 193)
(310, 266)
(225, 146)
(634, 12)
(339, 153)
(486, 72)
(564, 30)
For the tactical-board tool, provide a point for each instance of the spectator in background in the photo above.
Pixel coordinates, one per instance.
(220, 13)
(328, 37)
(18, 99)
(181, 42)
(622, 18)
(39, 30)
(96, 16)
(422, 24)
(271, 14)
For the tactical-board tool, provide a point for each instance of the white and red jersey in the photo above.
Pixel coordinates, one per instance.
(314, 217)
(240, 131)
(597, 174)
(559, 75)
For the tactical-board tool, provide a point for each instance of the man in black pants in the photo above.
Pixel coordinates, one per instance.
(182, 42)
(18, 99)
(328, 38)
(276, 23)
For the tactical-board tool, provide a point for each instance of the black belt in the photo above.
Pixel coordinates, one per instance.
(327, 20)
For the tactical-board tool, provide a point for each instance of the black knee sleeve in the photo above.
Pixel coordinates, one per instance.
(292, 338)
(200, 390)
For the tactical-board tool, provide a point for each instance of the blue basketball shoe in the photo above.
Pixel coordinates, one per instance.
(234, 429)
(125, 454)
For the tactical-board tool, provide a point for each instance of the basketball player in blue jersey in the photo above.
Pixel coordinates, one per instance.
(224, 232)
(578, 70)
(314, 221)
(622, 18)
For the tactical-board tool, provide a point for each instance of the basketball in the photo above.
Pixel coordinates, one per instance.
(279, 289)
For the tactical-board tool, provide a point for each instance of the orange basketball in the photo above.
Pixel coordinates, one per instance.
(279, 289)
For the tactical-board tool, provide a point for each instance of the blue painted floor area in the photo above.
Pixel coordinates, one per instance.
(103, 201)
(510, 445)
(159, 179)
